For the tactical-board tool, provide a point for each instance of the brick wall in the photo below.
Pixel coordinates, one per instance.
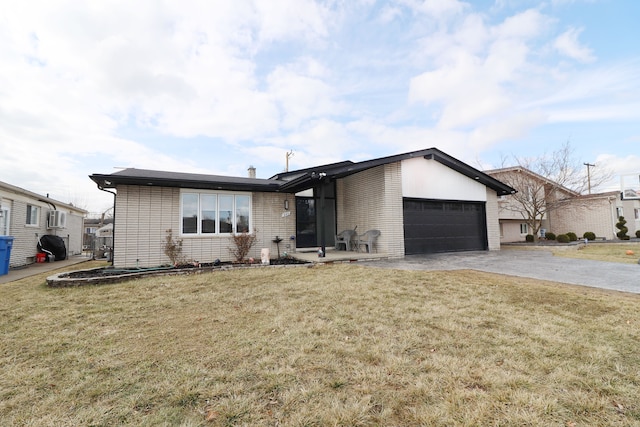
(372, 199)
(493, 222)
(144, 214)
(595, 214)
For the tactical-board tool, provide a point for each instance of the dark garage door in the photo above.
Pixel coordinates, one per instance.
(443, 226)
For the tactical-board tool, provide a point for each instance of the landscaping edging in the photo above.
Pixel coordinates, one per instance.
(60, 281)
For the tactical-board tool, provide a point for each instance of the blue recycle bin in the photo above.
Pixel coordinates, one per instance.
(6, 242)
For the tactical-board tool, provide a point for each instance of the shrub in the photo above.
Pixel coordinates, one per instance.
(572, 236)
(173, 249)
(638, 234)
(242, 244)
(529, 238)
(550, 236)
(622, 234)
(589, 235)
(562, 238)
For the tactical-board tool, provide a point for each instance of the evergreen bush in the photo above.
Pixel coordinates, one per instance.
(638, 234)
(572, 236)
(562, 238)
(550, 236)
(622, 234)
(529, 238)
(589, 235)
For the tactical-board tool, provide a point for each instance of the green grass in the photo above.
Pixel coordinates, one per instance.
(340, 345)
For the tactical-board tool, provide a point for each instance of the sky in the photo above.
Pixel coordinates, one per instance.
(217, 86)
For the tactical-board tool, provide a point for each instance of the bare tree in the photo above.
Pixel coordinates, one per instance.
(547, 183)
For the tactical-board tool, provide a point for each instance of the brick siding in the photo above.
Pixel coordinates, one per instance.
(144, 214)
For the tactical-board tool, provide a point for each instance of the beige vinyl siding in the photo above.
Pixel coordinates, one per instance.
(144, 214)
(372, 199)
(72, 233)
(25, 237)
(511, 231)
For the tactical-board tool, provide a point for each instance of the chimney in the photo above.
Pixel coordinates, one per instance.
(252, 172)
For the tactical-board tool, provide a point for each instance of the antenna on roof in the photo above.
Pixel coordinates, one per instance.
(288, 156)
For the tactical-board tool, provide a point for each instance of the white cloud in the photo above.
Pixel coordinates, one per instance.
(621, 165)
(439, 9)
(567, 44)
(215, 86)
(389, 13)
(524, 25)
(478, 68)
(292, 19)
(511, 127)
(301, 92)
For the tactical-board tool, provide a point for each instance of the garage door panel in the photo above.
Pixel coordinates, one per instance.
(432, 226)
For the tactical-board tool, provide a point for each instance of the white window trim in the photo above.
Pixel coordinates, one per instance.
(199, 233)
(37, 224)
(526, 227)
(6, 213)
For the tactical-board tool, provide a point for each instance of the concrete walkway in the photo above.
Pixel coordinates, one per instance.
(534, 264)
(45, 267)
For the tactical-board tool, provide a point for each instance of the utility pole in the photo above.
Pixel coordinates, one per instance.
(589, 166)
(288, 155)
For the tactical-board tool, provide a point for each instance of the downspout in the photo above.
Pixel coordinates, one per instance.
(113, 230)
(614, 216)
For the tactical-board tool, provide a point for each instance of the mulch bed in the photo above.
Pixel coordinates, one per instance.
(95, 275)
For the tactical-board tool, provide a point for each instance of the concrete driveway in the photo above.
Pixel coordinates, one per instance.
(526, 263)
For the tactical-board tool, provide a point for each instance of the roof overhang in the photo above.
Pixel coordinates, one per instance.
(288, 182)
(308, 178)
(142, 177)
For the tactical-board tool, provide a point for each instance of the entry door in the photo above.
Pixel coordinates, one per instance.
(307, 227)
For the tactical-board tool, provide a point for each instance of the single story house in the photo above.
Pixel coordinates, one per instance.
(28, 216)
(422, 202)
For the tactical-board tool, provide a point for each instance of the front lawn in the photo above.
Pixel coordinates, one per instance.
(627, 253)
(341, 345)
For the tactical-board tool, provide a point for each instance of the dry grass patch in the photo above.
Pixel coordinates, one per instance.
(332, 345)
(611, 252)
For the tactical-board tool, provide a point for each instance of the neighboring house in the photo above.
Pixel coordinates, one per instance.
(423, 201)
(572, 212)
(27, 216)
(597, 213)
(94, 238)
(104, 240)
(537, 197)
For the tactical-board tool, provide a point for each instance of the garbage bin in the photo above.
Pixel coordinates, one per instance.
(6, 242)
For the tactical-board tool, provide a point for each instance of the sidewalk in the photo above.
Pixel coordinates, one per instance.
(44, 267)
